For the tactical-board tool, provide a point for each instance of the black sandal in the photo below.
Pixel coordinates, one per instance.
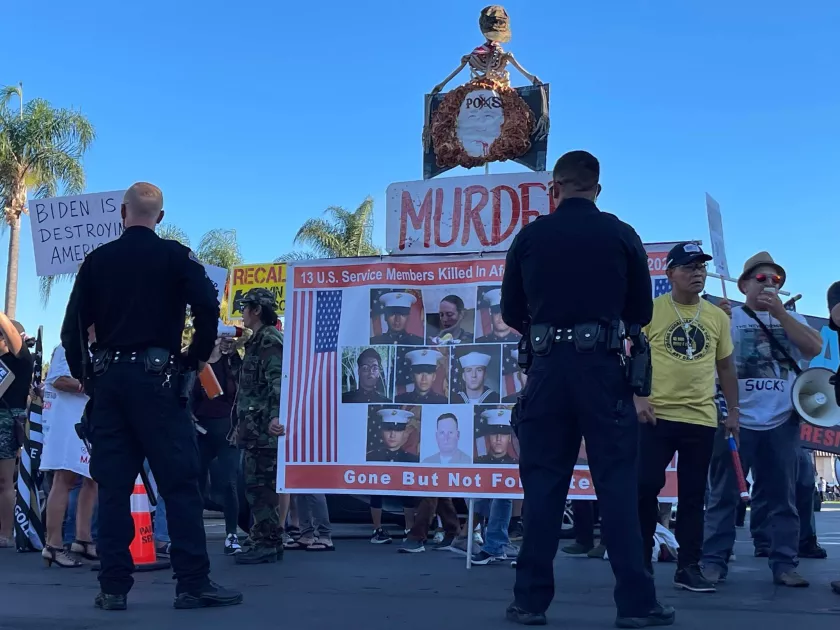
(60, 557)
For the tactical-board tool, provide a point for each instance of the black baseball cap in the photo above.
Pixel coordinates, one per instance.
(685, 254)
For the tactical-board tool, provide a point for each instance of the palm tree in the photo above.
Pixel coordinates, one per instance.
(41, 147)
(343, 234)
(173, 233)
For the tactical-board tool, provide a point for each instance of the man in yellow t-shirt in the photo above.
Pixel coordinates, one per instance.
(689, 339)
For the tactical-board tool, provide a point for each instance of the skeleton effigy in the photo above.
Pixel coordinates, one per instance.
(486, 120)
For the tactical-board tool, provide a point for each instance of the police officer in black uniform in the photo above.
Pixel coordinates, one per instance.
(570, 278)
(134, 291)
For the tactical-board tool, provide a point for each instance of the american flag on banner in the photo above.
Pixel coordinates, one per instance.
(312, 410)
(661, 286)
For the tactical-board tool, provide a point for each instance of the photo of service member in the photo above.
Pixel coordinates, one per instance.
(454, 320)
(513, 378)
(422, 376)
(366, 374)
(490, 328)
(442, 436)
(495, 443)
(396, 317)
(393, 434)
(475, 374)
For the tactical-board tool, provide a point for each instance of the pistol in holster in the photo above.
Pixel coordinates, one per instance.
(639, 366)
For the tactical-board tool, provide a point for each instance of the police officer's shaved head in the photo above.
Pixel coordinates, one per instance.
(142, 205)
(576, 174)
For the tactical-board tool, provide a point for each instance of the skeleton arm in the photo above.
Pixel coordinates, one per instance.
(541, 128)
(464, 61)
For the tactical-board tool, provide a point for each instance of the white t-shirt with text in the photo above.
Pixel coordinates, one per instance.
(765, 378)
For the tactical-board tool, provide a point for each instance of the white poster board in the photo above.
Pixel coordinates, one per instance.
(218, 276)
(362, 414)
(716, 235)
(463, 214)
(66, 229)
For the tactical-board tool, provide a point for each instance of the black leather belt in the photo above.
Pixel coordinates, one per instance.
(567, 335)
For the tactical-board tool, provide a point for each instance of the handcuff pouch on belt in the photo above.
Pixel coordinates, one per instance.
(542, 339)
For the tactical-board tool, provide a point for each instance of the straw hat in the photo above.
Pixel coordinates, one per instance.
(753, 263)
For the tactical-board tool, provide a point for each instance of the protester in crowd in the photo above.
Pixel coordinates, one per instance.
(312, 516)
(213, 420)
(689, 339)
(380, 536)
(428, 507)
(66, 455)
(16, 356)
(585, 513)
(834, 323)
(497, 546)
(767, 339)
(516, 530)
(258, 417)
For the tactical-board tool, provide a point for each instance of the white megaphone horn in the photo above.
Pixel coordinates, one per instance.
(224, 330)
(813, 397)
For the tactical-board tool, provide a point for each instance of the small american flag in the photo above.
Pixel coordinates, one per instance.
(661, 286)
(312, 410)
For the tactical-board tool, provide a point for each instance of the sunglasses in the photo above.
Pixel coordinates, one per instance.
(772, 277)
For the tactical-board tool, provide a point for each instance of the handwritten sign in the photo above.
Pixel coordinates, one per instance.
(271, 276)
(6, 378)
(463, 214)
(66, 229)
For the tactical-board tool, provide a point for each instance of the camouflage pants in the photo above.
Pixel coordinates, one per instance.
(260, 468)
(8, 439)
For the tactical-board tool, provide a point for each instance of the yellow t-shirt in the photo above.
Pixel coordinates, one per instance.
(684, 388)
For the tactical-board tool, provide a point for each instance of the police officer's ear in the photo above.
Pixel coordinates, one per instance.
(597, 191)
(160, 216)
(122, 212)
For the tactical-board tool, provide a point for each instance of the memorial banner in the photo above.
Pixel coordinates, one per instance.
(400, 376)
(243, 278)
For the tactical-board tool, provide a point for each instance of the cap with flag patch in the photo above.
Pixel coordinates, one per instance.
(685, 254)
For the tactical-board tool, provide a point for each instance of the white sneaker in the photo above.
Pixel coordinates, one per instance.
(232, 545)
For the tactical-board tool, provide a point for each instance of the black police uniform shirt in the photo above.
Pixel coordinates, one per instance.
(21, 366)
(574, 266)
(385, 455)
(401, 338)
(492, 338)
(418, 398)
(511, 398)
(135, 291)
(362, 396)
(489, 459)
(833, 300)
(487, 396)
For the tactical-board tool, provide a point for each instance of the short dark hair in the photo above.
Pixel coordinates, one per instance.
(369, 353)
(447, 415)
(454, 299)
(577, 169)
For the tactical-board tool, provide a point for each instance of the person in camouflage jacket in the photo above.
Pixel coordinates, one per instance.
(258, 424)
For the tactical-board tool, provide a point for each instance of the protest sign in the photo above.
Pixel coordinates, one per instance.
(399, 378)
(66, 229)
(716, 236)
(463, 214)
(271, 276)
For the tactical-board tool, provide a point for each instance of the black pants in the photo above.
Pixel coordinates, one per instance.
(135, 418)
(694, 444)
(585, 515)
(569, 394)
(214, 445)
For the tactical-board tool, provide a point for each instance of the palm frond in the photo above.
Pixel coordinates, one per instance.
(172, 232)
(46, 284)
(295, 256)
(219, 247)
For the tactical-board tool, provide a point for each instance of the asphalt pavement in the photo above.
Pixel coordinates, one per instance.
(370, 586)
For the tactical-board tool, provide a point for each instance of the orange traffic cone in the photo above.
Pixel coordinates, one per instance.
(142, 547)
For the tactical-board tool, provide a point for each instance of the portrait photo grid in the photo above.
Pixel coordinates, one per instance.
(438, 376)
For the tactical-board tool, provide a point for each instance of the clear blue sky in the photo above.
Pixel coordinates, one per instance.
(256, 116)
